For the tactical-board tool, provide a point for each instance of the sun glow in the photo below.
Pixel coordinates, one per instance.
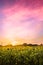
(5, 42)
(14, 43)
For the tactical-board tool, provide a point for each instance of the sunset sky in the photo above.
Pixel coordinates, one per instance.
(21, 21)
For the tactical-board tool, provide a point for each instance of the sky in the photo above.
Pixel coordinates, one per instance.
(21, 21)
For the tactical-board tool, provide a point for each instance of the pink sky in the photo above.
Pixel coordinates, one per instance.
(21, 19)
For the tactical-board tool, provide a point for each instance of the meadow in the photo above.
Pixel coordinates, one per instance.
(21, 55)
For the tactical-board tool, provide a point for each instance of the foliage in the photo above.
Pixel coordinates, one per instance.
(21, 55)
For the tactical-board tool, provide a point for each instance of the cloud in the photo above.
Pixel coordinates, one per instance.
(23, 24)
(21, 18)
(24, 3)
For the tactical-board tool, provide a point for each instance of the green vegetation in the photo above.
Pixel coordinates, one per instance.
(21, 55)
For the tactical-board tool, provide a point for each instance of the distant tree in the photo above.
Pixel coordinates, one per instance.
(41, 44)
(30, 44)
(25, 44)
(0, 45)
(35, 44)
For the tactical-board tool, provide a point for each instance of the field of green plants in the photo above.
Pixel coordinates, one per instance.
(21, 55)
